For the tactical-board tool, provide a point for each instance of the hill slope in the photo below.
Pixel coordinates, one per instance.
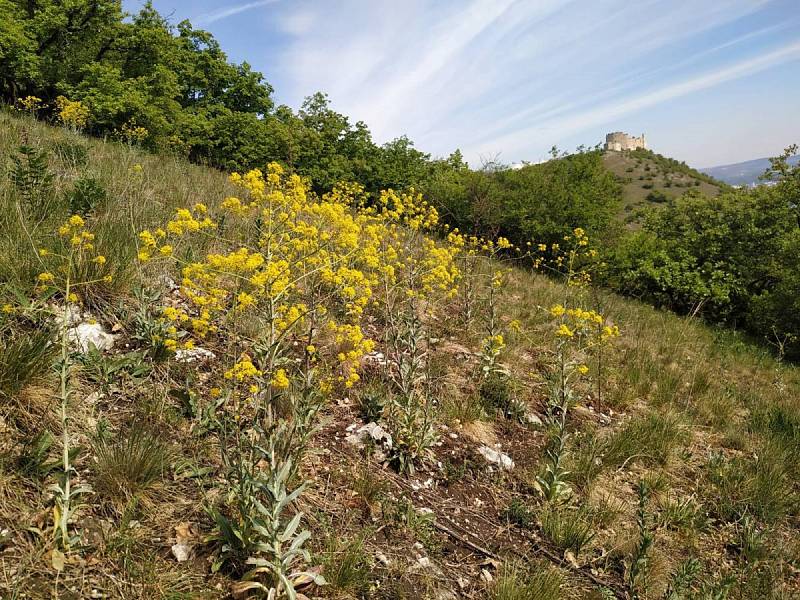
(666, 460)
(649, 178)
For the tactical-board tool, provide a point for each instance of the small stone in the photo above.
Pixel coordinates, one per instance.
(496, 458)
(486, 576)
(379, 435)
(374, 358)
(94, 397)
(191, 355)
(533, 419)
(383, 559)
(181, 552)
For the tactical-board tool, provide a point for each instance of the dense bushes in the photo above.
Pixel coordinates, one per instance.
(670, 165)
(733, 259)
(539, 203)
(171, 89)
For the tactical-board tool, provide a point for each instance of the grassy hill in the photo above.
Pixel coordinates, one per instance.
(660, 463)
(648, 178)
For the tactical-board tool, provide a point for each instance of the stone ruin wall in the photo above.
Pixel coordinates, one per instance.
(619, 141)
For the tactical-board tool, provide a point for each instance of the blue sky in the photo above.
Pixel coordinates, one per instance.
(708, 82)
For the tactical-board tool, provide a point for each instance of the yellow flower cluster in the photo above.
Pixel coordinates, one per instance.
(132, 133)
(306, 268)
(72, 113)
(68, 262)
(410, 209)
(571, 257)
(29, 104)
(494, 344)
(243, 369)
(74, 230)
(589, 325)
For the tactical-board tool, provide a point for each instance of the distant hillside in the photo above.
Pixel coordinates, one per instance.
(650, 178)
(745, 173)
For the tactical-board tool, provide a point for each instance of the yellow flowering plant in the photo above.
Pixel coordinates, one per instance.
(577, 334)
(72, 113)
(285, 280)
(29, 104)
(63, 272)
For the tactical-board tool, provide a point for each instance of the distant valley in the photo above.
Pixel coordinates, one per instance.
(745, 173)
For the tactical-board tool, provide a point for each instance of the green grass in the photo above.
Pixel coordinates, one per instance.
(567, 528)
(26, 355)
(648, 439)
(346, 564)
(537, 582)
(130, 463)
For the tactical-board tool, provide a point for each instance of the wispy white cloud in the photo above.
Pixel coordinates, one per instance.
(513, 76)
(224, 13)
(606, 113)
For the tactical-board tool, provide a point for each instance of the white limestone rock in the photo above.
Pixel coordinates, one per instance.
(194, 355)
(497, 458)
(88, 335)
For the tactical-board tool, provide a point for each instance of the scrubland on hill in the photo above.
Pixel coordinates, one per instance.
(222, 386)
(650, 179)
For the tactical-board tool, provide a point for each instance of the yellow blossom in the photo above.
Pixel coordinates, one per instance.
(280, 380)
(564, 331)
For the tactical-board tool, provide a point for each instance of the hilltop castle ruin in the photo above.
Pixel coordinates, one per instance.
(619, 141)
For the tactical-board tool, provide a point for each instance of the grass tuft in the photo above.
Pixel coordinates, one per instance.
(25, 357)
(513, 583)
(648, 439)
(129, 465)
(567, 528)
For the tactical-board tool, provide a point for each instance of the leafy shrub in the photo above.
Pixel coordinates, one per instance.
(734, 259)
(657, 196)
(541, 202)
(32, 178)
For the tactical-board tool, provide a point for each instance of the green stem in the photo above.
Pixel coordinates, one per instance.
(66, 490)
